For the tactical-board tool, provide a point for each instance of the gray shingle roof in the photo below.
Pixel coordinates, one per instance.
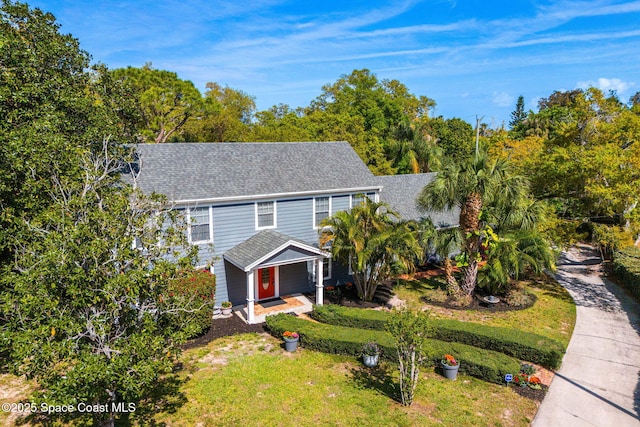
(264, 243)
(401, 192)
(206, 171)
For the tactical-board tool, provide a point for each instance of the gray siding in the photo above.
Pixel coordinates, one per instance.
(340, 203)
(235, 284)
(231, 225)
(295, 219)
(294, 279)
(235, 223)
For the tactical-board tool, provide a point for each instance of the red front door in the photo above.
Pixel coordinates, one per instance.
(266, 282)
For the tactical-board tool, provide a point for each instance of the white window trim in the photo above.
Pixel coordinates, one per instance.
(313, 219)
(328, 262)
(275, 214)
(210, 239)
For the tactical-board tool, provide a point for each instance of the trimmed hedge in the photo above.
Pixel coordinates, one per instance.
(523, 345)
(626, 266)
(484, 364)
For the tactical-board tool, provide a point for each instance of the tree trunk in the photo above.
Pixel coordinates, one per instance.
(109, 422)
(470, 225)
(470, 213)
(452, 286)
(469, 276)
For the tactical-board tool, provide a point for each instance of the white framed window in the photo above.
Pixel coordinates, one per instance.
(199, 225)
(265, 215)
(321, 210)
(326, 269)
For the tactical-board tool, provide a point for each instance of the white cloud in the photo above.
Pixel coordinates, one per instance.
(503, 99)
(605, 85)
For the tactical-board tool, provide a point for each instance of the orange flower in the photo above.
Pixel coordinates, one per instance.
(450, 360)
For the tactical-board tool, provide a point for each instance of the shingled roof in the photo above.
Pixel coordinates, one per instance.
(270, 246)
(187, 172)
(401, 192)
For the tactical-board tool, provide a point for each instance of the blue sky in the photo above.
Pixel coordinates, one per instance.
(471, 57)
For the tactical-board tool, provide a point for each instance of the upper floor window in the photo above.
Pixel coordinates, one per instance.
(357, 199)
(199, 224)
(322, 209)
(265, 214)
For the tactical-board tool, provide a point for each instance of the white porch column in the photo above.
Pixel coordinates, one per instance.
(250, 298)
(319, 285)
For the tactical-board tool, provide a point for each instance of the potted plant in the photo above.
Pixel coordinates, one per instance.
(370, 354)
(450, 366)
(290, 340)
(226, 307)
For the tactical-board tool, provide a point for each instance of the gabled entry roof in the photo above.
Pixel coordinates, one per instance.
(269, 248)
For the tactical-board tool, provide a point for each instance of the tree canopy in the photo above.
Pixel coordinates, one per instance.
(83, 311)
(581, 152)
(53, 106)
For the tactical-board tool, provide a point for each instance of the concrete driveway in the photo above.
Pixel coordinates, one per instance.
(598, 383)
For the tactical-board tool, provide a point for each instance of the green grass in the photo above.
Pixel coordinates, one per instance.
(553, 315)
(270, 387)
(250, 380)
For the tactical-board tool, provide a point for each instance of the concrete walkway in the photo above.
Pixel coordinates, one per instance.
(598, 383)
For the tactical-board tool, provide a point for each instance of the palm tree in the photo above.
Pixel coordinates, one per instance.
(470, 186)
(371, 239)
(443, 242)
(514, 254)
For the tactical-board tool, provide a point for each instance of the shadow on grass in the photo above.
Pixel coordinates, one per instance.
(552, 288)
(165, 397)
(423, 284)
(378, 378)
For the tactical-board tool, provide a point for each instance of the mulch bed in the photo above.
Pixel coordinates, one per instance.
(232, 325)
(348, 296)
(478, 305)
(531, 393)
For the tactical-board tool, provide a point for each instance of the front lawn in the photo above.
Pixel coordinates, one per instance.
(251, 380)
(553, 315)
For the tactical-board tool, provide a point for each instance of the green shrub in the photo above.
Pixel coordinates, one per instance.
(194, 290)
(484, 364)
(626, 267)
(523, 345)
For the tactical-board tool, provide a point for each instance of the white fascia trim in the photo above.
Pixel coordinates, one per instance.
(290, 261)
(254, 197)
(282, 247)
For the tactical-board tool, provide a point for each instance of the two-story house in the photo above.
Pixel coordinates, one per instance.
(256, 208)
